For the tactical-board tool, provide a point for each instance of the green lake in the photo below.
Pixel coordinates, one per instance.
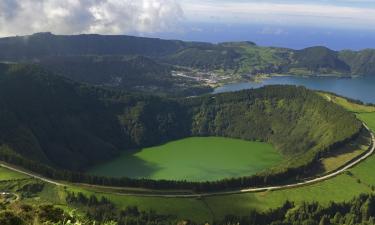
(193, 159)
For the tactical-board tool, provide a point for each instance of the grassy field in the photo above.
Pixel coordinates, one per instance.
(6, 174)
(369, 118)
(350, 106)
(346, 153)
(195, 159)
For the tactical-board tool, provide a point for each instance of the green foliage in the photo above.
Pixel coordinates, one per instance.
(361, 63)
(51, 120)
(139, 74)
(62, 124)
(360, 210)
(103, 210)
(100, 59)
(213, 57)
(319, 60)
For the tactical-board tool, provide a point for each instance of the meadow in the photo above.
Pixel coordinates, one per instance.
(6, 175)
(194, 159)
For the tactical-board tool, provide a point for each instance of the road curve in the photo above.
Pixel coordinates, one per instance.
(246, 190)
(31, 174)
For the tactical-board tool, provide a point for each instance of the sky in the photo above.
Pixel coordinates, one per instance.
(337, 24)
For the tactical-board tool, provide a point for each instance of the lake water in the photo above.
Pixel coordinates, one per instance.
(362, 88)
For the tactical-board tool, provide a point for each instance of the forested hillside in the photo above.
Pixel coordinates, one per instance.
(64, 124)
(362, 62)
(131, 73)
(53, 120)
(42, 45)
(99, 59)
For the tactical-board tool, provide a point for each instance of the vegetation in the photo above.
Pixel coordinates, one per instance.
(193, 159)
(137, 74)
(50, 123)
(311, 199)
(145, 64)
(357, 211)
(6, 174)
(347, 153)
(57, 127)
(87, 207)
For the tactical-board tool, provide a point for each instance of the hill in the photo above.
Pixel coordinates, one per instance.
(147, 64)
(42, 45)
(131, 73)
(67, 125)
(319, 60)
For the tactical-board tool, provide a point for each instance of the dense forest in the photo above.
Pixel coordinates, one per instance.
(58, 127)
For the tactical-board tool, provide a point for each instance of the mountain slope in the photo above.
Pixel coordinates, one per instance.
(64, 124)
(361, 63)
(41, 45)
(53, 120)
(237, 57)
(319, 60)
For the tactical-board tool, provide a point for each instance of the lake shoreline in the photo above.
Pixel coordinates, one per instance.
(355, 87)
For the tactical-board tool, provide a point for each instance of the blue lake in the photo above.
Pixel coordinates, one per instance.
(361, 88)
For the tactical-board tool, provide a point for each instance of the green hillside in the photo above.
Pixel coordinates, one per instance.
(145, 64)
(131, 73)
(318, 60)
(55, 121)
(66, 125)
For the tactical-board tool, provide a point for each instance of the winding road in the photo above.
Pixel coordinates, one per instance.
(246, 190)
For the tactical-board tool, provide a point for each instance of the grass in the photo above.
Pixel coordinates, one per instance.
(346, 153)
(183, 208)
(369, 118)
(6, 174)
(195, 159)
(350, 106)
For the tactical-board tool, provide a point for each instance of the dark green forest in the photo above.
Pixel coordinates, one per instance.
(58, 127)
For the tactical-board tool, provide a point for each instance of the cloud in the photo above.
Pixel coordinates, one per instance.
(302, 13)
(88, 16)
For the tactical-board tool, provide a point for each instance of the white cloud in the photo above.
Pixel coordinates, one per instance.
(281, 13)
(88, 16)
